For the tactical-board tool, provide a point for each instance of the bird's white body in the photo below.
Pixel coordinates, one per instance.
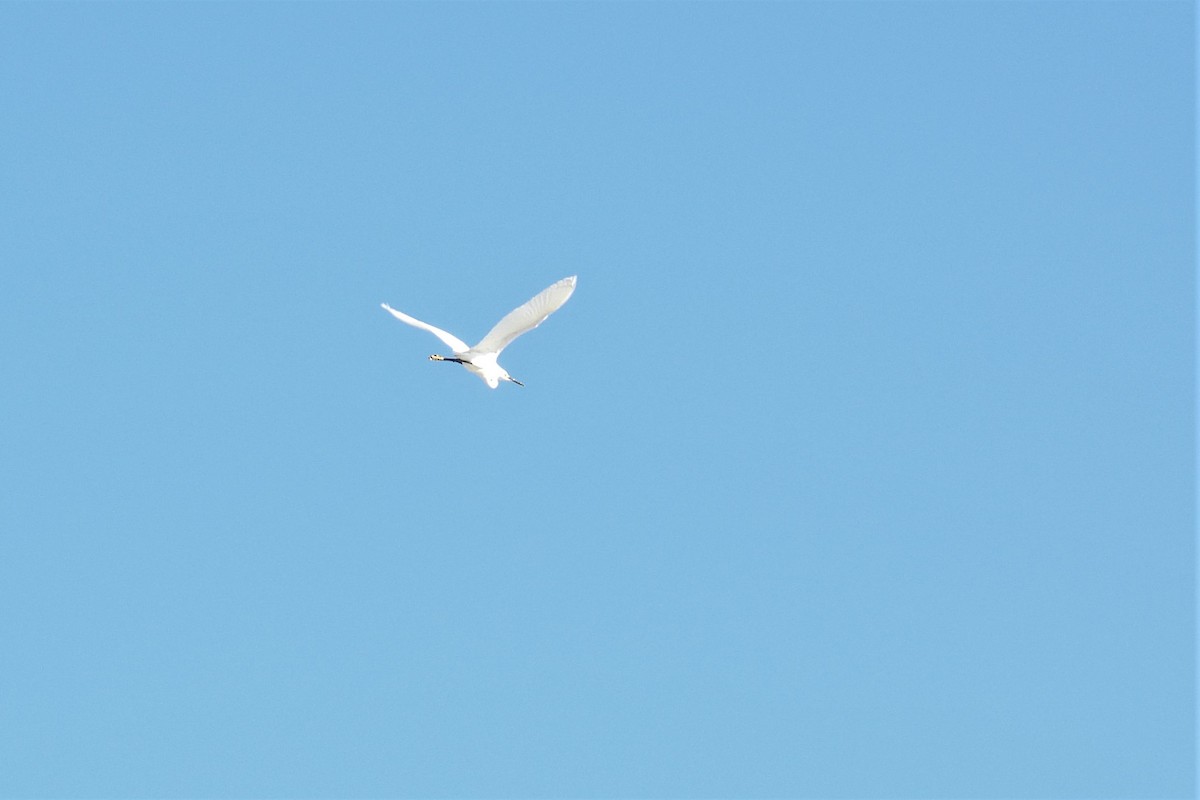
(487, 367)
(481, 359)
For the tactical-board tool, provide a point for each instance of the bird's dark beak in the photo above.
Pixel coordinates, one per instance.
(517, 382)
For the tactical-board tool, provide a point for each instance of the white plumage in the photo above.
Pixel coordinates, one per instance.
(481, 359)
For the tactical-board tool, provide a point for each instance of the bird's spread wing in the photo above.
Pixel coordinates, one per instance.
(452, 341)
(527, 317)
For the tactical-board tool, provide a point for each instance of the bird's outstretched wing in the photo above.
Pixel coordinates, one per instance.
(527, 317)
(452, 341)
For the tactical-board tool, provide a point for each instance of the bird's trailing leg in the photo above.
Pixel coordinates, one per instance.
(436, 357)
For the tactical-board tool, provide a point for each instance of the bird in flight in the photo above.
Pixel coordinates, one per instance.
(481, 359)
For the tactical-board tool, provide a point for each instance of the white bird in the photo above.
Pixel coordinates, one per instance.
(481, 359)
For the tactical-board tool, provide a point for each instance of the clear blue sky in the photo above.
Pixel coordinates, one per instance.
(859, 465)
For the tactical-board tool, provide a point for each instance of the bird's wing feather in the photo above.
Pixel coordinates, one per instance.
(452, 341)
(527, 317)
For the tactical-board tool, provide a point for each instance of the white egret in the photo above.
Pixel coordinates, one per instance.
(481, 359)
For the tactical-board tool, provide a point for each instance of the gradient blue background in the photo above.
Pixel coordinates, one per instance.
(859, 465)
